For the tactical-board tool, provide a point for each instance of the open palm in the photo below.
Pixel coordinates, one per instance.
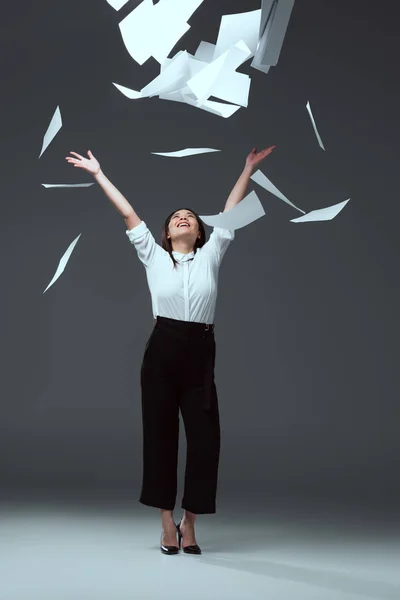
(254, 158)
(91, 164)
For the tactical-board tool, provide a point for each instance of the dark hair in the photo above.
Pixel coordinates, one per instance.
(167, 244)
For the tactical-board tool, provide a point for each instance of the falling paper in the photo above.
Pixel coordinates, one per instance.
(274, 22)
(170, 79)
(191, 79)
(135, 31)
(216, 73)
(182, 9)
(263, 180)
(187, 152)
(219, 108)
(195, 66)
(233, 87)
(63, 262)
(117, 4)
(67, 185)
(248, 210)
(169, 24)
(171, 34)
(268, 9)
(277, 31)
(153, 30)
(205, 52)
(216, 108)
(52, 130)
(322, 214)
(242, 26)
(314, 125)
(131, 94)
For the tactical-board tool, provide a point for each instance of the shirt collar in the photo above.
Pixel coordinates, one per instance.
(180, 257)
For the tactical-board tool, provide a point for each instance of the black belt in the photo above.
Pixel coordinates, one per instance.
(187, 325)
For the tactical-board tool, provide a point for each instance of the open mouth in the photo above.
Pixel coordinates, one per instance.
(183, 225)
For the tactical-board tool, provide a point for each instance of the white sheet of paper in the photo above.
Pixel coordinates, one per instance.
(195, 66)
(165, 64)
(268, 9)
(179, 9)
(170, 24)
(153, 30)
(136, 31)
(201, 84)
(168, 61)
(217, 72)
(219, 108)
(266, 6)
(216, 108)
(171, 33)
(63, 262)
(264, 68)
(131, 94)
(173, 96)
(314, 126)
(243, 26)
(233, 87)
(52, 130)
(263, 180)
(186, 152)
(170, 79)
(275, 32)
(248, 210)
(322, 214)
(117, 4)
(67, 185)
(205, 52)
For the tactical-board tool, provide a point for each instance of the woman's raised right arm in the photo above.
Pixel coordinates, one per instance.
(92, 166)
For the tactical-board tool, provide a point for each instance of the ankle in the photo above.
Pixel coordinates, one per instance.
(189, 517)
(187, 522)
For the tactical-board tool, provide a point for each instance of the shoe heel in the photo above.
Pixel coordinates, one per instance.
(179, 534)
(195, 549)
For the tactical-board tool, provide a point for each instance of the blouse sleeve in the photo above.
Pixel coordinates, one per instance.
(218, 242)
(146, 247)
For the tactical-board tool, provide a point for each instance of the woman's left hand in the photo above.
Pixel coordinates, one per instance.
(254, 158)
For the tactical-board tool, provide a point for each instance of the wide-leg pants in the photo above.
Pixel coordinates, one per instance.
(178, 373)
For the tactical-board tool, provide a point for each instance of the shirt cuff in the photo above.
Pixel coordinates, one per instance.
(229, 234)
(137, 232)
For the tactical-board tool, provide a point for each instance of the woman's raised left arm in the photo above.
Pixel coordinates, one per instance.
(252, 161)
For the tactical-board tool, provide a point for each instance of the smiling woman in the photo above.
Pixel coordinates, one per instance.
(183, 232)
(177, 372)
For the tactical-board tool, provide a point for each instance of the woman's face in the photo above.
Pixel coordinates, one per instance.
(183, 225)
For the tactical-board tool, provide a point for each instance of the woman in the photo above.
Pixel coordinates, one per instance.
(177, 371)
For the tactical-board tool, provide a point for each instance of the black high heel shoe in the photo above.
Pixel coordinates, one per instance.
(168, 549)
(194, 549)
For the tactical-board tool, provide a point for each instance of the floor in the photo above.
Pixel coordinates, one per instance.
(53, 551)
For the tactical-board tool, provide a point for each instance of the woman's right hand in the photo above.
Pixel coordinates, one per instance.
(91, 164)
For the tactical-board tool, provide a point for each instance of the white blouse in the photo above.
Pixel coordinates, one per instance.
(187, 292)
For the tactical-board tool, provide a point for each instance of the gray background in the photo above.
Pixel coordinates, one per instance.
(307, 323)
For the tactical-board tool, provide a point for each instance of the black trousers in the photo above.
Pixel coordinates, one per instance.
(178, 373)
